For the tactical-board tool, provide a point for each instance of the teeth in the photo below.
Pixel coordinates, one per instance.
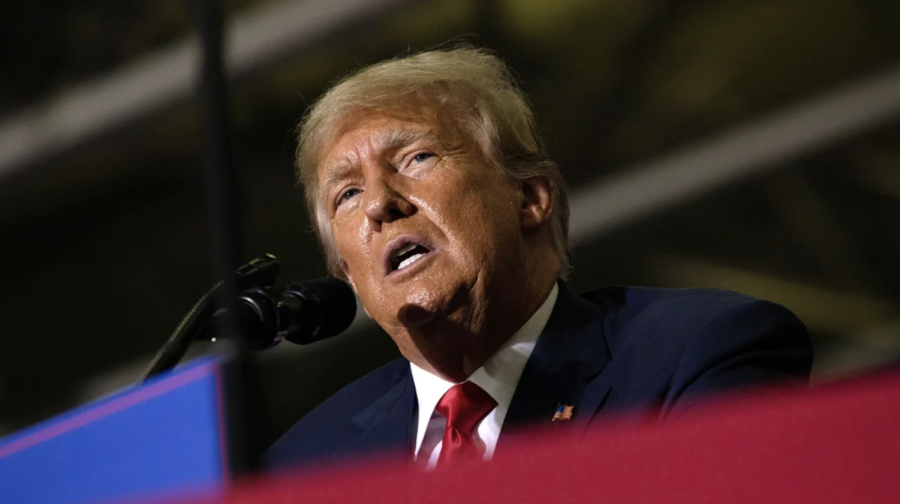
(406, 248)
(409, 260)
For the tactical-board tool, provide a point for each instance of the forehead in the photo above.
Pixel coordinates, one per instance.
(384, 128)
(365, 133)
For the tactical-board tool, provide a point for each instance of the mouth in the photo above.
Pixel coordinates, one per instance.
(405, 252)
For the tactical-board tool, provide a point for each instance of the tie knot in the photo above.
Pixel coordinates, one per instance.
(464, 405)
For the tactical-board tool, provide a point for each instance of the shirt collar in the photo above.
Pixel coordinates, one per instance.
(498, 376)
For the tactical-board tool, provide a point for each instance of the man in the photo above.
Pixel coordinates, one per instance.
(434, 197)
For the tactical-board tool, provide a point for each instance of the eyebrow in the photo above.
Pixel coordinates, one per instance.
(397, 138)
(385, 142)
(334, 176)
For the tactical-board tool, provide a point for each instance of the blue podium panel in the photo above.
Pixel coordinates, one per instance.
(166, 437)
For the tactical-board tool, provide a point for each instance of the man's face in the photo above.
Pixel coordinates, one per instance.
(425, 226)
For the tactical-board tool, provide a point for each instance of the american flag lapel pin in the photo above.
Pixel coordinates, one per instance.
(563, 412)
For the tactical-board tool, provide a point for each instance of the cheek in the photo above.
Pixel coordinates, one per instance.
(350, 241)
(487, 213)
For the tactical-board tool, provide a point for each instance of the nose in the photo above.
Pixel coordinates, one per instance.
(383, 203)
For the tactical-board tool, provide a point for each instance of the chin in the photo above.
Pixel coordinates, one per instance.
(414, 316)
(429, 299)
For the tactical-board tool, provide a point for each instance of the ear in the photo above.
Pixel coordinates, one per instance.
(537, 203)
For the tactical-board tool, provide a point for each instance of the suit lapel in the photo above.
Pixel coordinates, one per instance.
(386, 425)
(563, 368)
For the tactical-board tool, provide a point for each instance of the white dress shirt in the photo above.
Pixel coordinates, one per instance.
(498, 377)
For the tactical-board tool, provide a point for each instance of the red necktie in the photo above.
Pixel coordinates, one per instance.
(464, 405)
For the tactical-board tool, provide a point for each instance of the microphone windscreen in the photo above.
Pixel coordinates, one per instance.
(331, 301)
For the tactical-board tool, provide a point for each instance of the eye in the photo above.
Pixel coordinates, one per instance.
(421, 157)
(347, 195)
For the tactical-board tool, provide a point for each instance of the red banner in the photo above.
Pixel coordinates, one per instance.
(834, 444)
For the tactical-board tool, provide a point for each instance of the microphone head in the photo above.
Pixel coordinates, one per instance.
(329, 307)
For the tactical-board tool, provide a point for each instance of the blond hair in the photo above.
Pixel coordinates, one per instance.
(471, 83)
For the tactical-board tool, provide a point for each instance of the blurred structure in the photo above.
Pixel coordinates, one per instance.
(752, 145)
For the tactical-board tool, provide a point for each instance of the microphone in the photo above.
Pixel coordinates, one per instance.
(305, 312)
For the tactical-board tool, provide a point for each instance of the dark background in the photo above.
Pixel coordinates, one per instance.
(105, 237)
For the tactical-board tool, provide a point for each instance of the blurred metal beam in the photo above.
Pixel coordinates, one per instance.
(874, 347)
(824, 310)
(165, 78)
(734, 155)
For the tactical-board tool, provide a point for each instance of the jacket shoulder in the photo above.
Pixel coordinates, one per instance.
(681, 345)
(663, 314)
(317, 435)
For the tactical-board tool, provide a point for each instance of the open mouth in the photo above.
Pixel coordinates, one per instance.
(406, 255)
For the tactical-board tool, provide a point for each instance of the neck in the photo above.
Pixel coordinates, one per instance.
(461, 343)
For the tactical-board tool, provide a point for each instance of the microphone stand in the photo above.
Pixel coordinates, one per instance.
(257, 274)
(239, 373)
(258, 317)
(242, 415)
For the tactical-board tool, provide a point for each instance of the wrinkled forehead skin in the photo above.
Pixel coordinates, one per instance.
(456, 111)
(450, 106)
(446, 126)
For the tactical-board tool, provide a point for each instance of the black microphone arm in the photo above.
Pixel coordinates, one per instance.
(303, 313)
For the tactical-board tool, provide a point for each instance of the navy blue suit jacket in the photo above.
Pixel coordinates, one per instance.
(655, 352)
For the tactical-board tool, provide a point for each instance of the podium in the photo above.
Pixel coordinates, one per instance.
(167, 437)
